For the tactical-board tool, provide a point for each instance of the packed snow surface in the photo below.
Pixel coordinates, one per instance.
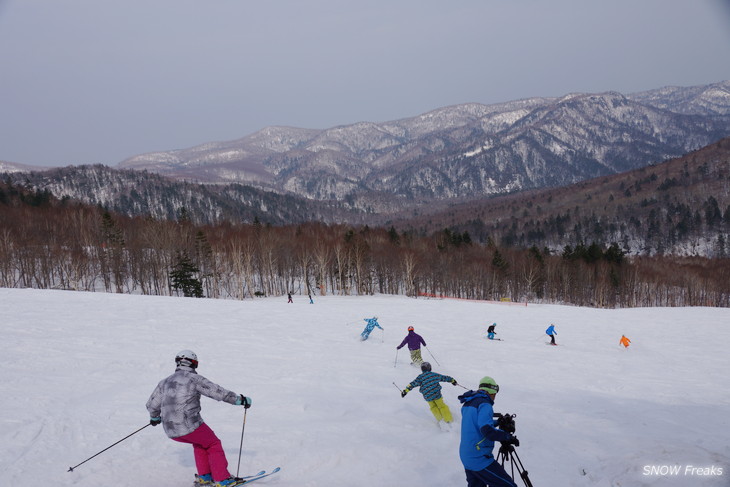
(79, 367)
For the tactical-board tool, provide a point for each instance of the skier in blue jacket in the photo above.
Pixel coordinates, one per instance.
(551, 332)
(478, 435)
(371, 323)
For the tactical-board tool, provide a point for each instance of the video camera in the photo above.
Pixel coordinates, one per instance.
(506, 422)
(507, 452)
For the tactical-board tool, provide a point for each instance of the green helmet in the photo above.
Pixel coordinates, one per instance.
(488, 385)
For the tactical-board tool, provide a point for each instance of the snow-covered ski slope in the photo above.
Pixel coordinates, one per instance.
(77, 369)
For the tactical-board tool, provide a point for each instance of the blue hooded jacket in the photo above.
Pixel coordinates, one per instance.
(551, 330)
(478, 433)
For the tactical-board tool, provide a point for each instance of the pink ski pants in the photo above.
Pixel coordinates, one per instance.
(209, 455)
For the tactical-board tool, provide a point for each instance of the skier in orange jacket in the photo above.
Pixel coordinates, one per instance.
(624, 341)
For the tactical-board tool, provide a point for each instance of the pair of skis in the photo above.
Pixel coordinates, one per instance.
(249, 478)
(262, 474)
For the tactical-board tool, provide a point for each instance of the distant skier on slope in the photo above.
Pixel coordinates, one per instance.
(428, 382)
(491, 332)
(478, 435)
(175, 403)
(414, 341)
(624, 341)
(551, 333)
(371, 323)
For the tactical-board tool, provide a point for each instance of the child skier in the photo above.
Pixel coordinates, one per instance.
(491, 332)
(371, 323)
(551, 332)
(428, 382)
(414, 341)
(175, 403)
(624, 341)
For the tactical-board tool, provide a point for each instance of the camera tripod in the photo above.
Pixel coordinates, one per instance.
(507, 453)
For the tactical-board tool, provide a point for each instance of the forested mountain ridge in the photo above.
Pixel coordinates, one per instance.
(678, 207)
(140, 193)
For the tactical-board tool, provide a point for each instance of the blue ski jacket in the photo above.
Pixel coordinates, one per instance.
(429, 384)
(478, 433)
(551, 330)
(414, 341)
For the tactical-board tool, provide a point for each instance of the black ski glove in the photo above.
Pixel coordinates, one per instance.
(155, 421)
(453, 382)
(403, 393)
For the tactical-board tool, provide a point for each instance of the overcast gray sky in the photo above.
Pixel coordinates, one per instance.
(97, 81)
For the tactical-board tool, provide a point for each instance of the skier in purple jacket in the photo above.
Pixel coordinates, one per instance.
(414, 342)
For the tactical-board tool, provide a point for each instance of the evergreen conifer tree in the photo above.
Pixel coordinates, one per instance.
(183, 277)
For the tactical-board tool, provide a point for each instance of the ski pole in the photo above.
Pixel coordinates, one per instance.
(396, 357)
(240, 448)
(71, 469)
(434, 358)
(399, 389)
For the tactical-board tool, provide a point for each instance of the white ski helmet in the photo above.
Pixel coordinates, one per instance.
(187, 358)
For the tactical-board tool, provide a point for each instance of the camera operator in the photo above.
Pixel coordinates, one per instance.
(478, 435)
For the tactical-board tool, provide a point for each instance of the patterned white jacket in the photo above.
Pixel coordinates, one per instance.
(176, 400)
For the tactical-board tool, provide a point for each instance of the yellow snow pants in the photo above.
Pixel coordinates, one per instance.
(440, 410)
(416, 356)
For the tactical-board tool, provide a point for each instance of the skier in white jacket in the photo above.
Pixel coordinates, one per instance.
(175, 403)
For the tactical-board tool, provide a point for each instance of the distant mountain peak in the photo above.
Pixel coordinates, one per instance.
(463, 151)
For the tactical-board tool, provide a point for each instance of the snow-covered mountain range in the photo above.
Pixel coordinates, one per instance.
(463, 151)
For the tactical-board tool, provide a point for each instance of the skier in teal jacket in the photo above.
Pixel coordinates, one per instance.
(371, 323)
(428, 384)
